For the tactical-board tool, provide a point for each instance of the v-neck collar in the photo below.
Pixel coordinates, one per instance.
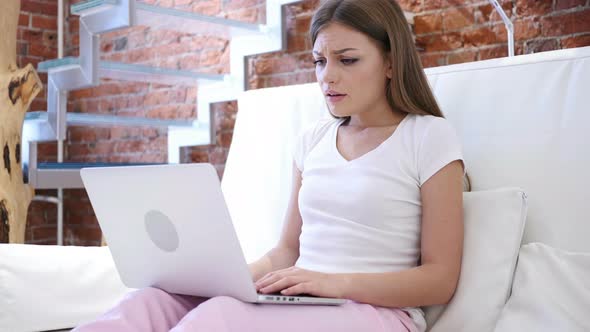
(363, 156)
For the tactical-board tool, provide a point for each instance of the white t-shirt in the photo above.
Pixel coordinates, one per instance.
(364, 215)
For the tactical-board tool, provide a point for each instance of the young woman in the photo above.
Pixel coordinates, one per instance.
(375, 215)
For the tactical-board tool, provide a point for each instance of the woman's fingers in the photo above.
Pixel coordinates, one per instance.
(272, 277)
(300, 288)
(281, 284)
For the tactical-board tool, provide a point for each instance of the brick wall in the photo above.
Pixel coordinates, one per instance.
(448, 31)
(36, 42)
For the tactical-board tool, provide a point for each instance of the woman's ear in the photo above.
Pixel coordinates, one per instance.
(388, 69)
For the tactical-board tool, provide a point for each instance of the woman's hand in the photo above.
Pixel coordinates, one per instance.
(294, 281)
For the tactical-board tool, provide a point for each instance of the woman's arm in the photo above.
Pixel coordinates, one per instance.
(286, 252)
(435, 280)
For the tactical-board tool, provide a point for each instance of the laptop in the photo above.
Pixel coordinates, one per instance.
(168, 226)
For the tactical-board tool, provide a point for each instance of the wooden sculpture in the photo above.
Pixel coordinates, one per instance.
(18, 87)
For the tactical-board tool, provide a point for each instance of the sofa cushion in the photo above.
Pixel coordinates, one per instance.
(551, 292)
(494, 223)
(55, 287)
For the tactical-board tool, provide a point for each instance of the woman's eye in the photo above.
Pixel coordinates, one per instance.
(348, 61)
(343, 61)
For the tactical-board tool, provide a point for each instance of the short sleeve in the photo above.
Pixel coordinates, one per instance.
(300, 148)
(439, 147)
(307, 139)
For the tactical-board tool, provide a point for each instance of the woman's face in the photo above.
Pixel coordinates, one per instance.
(351, 71)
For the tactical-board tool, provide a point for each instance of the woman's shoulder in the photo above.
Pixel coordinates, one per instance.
(318, 128)
(421, 124)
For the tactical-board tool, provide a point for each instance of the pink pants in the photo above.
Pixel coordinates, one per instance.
(151, 309)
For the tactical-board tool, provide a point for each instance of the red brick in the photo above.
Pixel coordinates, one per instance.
(248, 15)
(238, 4)
(106, 46)
(165, 97)
(137, 39)
(22, 48)
(284, 64)
(44, 22)
(49, 38)
(77, 207)
(493, 52)
(480, 36)
(526, 8)
(566, 4)
(129, 146)
(304, 77)
(74, 24)
(77, 149)
(217, 155)
(302, 25)
(457, 18)
(31, 36)
(139, 55)
(536, 46)
(124, 132)
(83, 220)
(440, 42)
(577, 41)
(101, 148)
(224, 138)
(106, 89)
(35, 219)
(133, 87)
(298, 43)
(82, 93)
(204, 42)
(24, 20)
(305, 61)
(310, 5)
(82, 235)
(487, 13)
(114, 104)
(210, 57)
(434, 4)
(526, 29)
(410, 5)
(40, 50)
(199, 155)
(163, 112)
(155, 144)
(428, 23)
(44, 232)
(39, 7)
(191, 95)
(432, 60)
(566, 24)
(150, 133)
(207, 7)
(187, 111)
(38, 104)
(81, 134)
(163, 37)
(461, 57)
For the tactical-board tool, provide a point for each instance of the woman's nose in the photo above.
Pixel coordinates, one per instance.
(329, 74)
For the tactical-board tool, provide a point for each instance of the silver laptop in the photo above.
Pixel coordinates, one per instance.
(167, 226)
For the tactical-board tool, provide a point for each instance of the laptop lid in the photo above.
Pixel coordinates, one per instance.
(168, 226)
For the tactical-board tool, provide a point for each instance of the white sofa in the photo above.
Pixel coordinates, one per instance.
(525, 127)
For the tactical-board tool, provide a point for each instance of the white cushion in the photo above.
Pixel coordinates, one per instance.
(551, 292)
(55, 287)
(494, 222)
(512, 137)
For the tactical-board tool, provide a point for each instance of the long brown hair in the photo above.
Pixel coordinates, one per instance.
(384, 21)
